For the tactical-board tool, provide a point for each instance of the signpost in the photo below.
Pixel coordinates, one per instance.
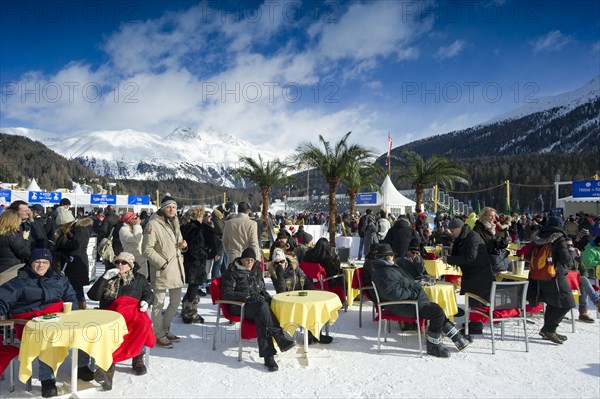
(103, 199)
(138, 200)
(366, 199)
(586, 188)
(44, 197)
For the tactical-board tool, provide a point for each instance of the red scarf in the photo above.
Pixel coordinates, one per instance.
(139, 327)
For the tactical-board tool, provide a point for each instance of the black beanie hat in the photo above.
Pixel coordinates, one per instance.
(248, 253)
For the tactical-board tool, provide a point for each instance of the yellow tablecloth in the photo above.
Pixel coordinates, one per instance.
(311, 311)
(443, 294)
(351, 293)
(96, 332)
(513, 276)
(437, 268)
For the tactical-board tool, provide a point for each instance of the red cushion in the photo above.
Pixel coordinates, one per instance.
(503, 313)
(388, 316)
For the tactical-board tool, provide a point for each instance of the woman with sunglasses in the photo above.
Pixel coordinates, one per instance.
(124, 290)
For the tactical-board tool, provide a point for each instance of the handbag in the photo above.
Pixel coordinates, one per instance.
(499, 260)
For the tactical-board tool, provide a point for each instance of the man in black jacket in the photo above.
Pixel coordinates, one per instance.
(470, 254)
(394, 284)
(243, 281)
(361, 232)
(400, 235)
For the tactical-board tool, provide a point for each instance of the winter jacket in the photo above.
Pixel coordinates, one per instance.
(139, 288)
(383, 225)
(28, 291)
(201, 247)
(331, 265)
(38, 236)
(399, 236)
(14, 249)
(131, 238)
(239, 233)
(72, 250)
(291, 272)
(591, 255)
(161, 249)
(394, 284)
(219, 226)
(556, 291)
(239, 284)
(110, 220)
(470, 254)
(371, 236)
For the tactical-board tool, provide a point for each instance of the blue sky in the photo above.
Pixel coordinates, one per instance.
(285, 71)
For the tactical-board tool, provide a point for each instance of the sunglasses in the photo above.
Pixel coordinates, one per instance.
(121, 262)
(279, 262)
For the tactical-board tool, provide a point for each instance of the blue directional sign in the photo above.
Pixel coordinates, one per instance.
(45, 197)
(586, 188)
(138, 200)
(103, 199)
(366, 199)
(7, 195)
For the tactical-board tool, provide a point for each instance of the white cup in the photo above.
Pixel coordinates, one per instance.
(67, 307)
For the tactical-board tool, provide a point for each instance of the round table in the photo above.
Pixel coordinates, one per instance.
(311, 312)
(443, 294)
(437, 268)
(96, 332)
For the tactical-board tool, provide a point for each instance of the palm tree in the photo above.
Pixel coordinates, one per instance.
(333, 163)
(436, 170)
(362, 176)
(265, 175)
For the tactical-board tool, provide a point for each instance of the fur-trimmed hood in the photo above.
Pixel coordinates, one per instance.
(546, 235)
(85, 222)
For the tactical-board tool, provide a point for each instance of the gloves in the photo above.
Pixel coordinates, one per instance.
(143, 306)
(110, 273)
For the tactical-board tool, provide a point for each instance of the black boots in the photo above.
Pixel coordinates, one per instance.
(461, 341)
(271, 364)
(49, 388)
(323, 339)
(85, 374)
(138, 366)
(435, 346)
(189, 311)
(105, 378)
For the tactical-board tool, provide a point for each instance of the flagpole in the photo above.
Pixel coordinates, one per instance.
(389, 163)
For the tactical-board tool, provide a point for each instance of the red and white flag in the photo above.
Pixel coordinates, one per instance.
(387, 161)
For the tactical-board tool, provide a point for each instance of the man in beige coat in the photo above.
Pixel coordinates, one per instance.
(162, 246)
(239, 233)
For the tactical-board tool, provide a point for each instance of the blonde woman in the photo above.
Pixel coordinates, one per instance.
(487, 226)
(14, 248)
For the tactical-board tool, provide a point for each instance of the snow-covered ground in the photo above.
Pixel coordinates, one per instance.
(352, 367)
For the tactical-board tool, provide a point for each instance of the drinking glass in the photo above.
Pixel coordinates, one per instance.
(288, 284)
(301, 282)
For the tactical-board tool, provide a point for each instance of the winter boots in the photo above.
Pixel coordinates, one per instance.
(189, 311)
(49, 388)
(138, 366)
(271, 363)
(105, 378)
(282, 341)
(323, 339)
(435, 346)
(461, 341)
(85, 374)
(554, 337)
(583, 316)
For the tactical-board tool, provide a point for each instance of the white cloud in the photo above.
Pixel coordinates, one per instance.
(551, 41)
(451, 51)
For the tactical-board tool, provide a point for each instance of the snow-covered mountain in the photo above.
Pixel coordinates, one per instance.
(128, 154)
(563, 102)
(568, 122)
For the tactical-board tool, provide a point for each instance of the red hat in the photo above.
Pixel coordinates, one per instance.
(128, 217)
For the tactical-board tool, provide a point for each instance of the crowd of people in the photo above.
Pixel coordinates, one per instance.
(174, 254)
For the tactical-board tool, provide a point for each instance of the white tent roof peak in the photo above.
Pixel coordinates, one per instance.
(33, 186)
(392, 197)
(77, 189)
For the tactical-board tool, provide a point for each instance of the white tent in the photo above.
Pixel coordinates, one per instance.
(572, 205)
(33, 186)
(392, 201)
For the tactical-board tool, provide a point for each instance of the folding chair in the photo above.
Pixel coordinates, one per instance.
(382, 314)
(507, 302)
(247, 329)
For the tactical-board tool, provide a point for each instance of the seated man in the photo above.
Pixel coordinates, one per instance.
(243, 281)
(35, 291)
(413, 263)
(394, 284)
(124, 290)
(287, 276)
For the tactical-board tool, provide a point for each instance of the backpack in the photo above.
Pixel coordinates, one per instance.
(541, 267)
(105, 248)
